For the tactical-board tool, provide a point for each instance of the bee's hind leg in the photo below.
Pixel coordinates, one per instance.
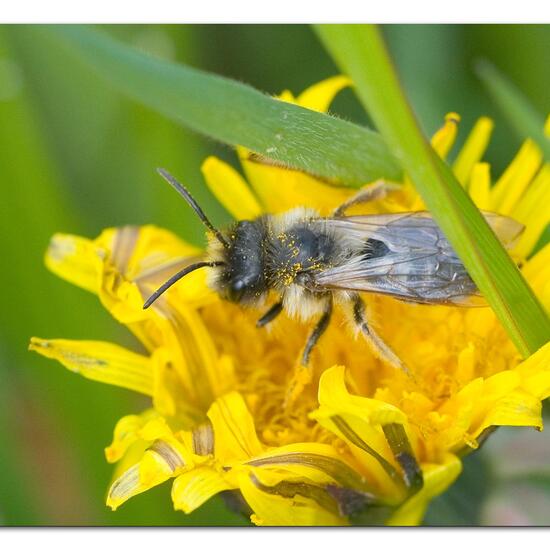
(378, 346)
(377, 190)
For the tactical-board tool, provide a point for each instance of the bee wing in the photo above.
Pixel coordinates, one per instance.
(406, 256)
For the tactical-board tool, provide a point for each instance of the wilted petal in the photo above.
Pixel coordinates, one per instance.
(161, 461)
(317, 462)
(289, 503)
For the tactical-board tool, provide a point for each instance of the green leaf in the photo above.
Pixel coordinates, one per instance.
(234, 113)
(524, 118)
(360, 52)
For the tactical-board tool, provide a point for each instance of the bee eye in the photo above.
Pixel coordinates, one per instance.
(238, 285)
(236, 290)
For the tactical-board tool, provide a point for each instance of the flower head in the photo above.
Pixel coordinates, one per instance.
(357, 441)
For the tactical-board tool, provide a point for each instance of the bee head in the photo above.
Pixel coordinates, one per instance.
(236, 256)
(240, 275)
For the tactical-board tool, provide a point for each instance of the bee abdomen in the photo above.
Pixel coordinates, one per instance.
(374, 249)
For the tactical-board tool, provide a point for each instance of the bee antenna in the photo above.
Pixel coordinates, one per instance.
(175, 278)
(192, 203)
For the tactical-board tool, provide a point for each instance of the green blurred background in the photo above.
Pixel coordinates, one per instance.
(77, 157)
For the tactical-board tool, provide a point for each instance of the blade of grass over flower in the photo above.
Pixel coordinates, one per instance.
(234, 113)
(523, 116)
(360, 52)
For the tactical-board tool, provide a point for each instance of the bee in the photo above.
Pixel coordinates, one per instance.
(311, 262)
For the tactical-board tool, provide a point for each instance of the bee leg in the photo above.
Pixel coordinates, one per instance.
(303, 373)
(270, 315)
(379, 347)
(377, 190)
(317, 332)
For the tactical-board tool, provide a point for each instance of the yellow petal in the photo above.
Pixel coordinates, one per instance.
(234, 432)
(515, 179)
(280, 189)
(100, 361)
(294, 509)
(193, 488)
(75, 259)
(443, 139)
(473, 150)
(480, 185)
(130, 484)
(230, 188)
(537, 270)
(437, 478)
(287, 95)
(359, 420)
(531, 212)
(126, 433)
(319, 96)
(161, 461)
(137, 251)
(316, 462)
(535, 373)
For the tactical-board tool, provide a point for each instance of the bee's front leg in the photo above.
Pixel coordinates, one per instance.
(378, 346)
(317, 332)
(303, 372)
(270, 315)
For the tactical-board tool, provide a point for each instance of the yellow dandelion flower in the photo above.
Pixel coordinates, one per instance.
(360, 442)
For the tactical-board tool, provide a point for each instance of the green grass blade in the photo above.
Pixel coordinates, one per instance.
(234, 113)
(360, 52)
(523, 116)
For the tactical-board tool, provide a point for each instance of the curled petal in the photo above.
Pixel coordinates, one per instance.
(444, 138)
(165, 458)
(152, 470)
(127, 432)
